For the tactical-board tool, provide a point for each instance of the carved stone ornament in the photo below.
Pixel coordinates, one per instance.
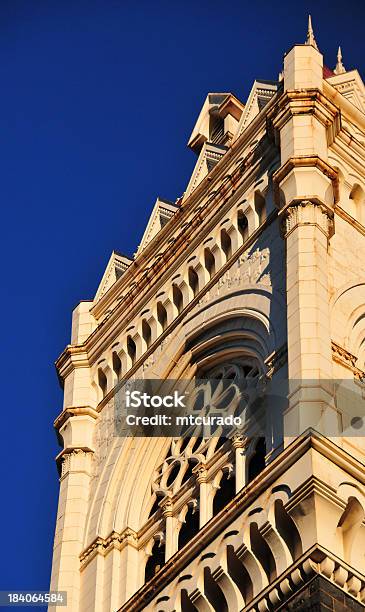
(306, 212)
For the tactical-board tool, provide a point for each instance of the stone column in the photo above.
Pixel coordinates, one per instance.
(205, 500)
(239, 444)
(171, 524)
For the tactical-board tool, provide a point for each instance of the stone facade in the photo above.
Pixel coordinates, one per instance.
(257, 270)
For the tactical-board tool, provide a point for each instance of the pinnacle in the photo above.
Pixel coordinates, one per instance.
(310, 34)
(340, 68)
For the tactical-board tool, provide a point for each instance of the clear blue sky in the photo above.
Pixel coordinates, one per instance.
(97, 101)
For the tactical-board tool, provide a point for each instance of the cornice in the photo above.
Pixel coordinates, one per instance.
(74, 355)
(70, 412)
(302, 102)
(317, 561)
(139, 274)
(303, 161)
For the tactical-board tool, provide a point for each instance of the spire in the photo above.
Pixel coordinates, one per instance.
(340, 68)
(310, 34)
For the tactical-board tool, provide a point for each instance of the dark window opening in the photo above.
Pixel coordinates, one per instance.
(209, 262)
(257, 461)
(131, 349)
(155, 561)
(260, 207)
(193, 281)
(226, 492)
(189, 528)
(102, 381)
(226, 243)
(242, 224)
(117, 366)
(162, 315)
(146, 333)
(177, 297)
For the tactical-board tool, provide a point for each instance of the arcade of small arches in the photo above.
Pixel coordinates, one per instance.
(178, 292)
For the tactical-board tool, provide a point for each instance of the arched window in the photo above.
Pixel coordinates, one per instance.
(117, 365)
(193, 281)
(214, 593)
(102, 382)
(262, 551)
(226, 243)
(155, 561)
(131, 349)
(186, 605)
(209, 262)
(162, 315)
(257, 460)
(146, 332)
(190, 527)
(177, 297)
(242, 224)
(224, 494)
(260, 207)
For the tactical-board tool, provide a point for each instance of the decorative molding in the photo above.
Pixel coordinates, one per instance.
(276, 360)
(306, 212)
(70, 412)
(67, 458)
(346, 359)
(316, 562)
(301, 102)
(303, 161)
(128, 537)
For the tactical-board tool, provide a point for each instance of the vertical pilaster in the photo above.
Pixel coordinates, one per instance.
(76, 427)
(307, 227)
(72, 510)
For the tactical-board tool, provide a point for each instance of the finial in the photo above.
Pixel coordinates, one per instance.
(340, 68)
(310, 34)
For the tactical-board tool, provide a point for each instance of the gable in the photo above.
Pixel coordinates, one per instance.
(261, 93)
(162, 212)
(116, 266)
(208, 158)
(351, 86)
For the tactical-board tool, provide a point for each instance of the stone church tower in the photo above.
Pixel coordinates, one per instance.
(256, 271)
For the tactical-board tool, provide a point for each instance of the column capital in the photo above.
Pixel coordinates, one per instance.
(167, 507)
(201, 473)
(239, 440)
(307, 212)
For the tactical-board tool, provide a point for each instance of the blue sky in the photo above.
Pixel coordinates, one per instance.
(97, 101)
